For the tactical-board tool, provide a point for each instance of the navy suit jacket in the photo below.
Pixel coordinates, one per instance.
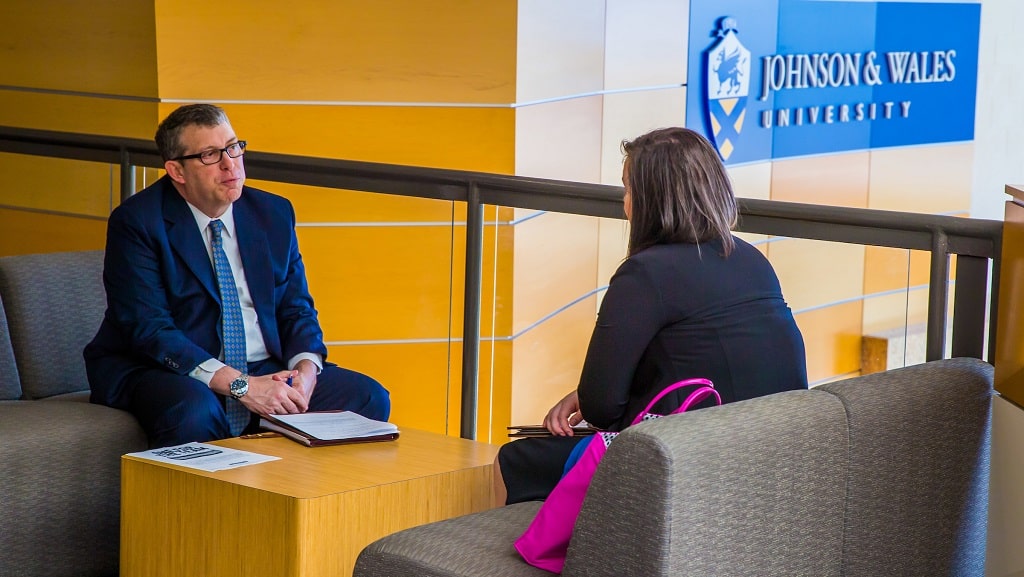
(163, 306)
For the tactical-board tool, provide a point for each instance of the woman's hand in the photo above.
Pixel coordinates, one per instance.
(564, 415)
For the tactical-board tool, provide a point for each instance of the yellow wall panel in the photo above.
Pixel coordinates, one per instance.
(494, 390)
(376, 283)
(834, 179)
(53, 184)
(100, 46)
(479, 139)
(928, 179)
(415, 374)
(339, 50)
(315, 204)
(833, 338)
(103, 116)
(24, 232)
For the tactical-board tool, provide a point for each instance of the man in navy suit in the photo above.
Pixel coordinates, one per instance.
(159, 352)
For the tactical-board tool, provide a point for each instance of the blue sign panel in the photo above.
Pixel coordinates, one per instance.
(783, 78)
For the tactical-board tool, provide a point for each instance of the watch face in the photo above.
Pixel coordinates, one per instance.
(240, 386)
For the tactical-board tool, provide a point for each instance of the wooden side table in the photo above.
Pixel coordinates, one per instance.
(1009, 352)
(308, 514)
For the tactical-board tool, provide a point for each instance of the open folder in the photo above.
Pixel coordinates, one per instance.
(315, 429)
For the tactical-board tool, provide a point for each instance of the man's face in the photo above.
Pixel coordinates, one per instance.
(210, 188)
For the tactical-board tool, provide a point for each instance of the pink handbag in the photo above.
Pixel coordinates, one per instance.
(546, 540)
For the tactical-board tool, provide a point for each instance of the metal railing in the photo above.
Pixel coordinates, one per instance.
(977, 243)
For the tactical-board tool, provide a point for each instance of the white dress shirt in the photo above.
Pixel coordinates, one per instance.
(255, 346)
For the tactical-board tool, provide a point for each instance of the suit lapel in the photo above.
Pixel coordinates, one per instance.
(186, 240)
(255, 251)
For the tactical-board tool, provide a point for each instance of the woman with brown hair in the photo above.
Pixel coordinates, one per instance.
(690, 300)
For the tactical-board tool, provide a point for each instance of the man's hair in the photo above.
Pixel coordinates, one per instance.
(679, 191)
(168, 134)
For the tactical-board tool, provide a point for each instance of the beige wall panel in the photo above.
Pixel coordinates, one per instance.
(752, 180)
(100, 46)
(627, 115)
(560, 140)
(885, 269)
(460, 138)
(555, 263)
(612, 248)
(29, 232)
(646, 43)
(103, 116)
(888, 269)
(340, 50)
(816, 273)
(926, 179)
(560, 48)
(416, 375)
(832, 337)
(53, 184)
(896, 312)
(834, 179)
(547, 361)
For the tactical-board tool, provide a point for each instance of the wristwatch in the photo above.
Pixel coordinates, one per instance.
(240, 386)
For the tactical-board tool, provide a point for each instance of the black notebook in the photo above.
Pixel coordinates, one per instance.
(541, 431)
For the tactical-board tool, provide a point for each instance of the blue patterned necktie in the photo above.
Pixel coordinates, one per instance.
(232, 327)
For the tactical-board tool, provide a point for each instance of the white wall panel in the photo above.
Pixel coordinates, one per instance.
(560, 49)
(560, 140)
(646, 43)
(999, 116)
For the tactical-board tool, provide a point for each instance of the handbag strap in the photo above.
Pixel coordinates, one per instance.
(706, 389)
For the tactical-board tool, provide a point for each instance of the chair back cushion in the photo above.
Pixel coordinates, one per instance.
(919, 469)
(54, 303)
(754, 487)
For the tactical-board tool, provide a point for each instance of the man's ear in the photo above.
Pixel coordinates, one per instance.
(174, 170)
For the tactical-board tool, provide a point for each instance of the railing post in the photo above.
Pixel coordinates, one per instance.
(471, 313)
(127, 175)
(938, 293)
(969, 298)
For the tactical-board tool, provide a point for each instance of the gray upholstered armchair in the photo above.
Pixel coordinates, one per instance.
(885, 474)
(60, 456)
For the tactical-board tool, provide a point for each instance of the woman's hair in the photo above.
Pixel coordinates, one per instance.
(679, 191)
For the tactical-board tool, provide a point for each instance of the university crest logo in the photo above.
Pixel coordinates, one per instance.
(728, 82)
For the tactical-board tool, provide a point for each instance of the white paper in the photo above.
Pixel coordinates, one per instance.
(337, 425)
(204, 457)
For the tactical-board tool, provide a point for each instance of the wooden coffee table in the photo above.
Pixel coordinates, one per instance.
(308, 514)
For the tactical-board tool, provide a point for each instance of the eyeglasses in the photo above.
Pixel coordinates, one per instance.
(234, 150)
